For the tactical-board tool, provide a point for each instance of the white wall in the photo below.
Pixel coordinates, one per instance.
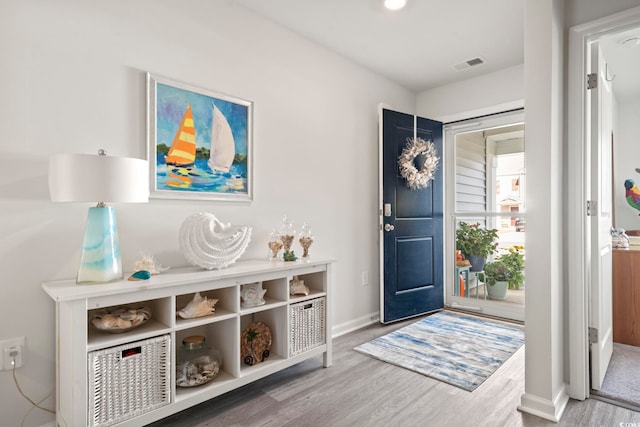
(72, 80)
(492, 93)
(626, 160)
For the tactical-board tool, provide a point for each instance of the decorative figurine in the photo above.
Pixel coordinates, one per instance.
(252, 294)
(140, 275)
(210, 244)
(255, 343)
(287, 234)
(275, 244)
(148, 263)
(306, 239)
(198, 307)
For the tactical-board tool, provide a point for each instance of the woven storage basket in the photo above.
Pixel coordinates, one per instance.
(128, 380)
(307, 325)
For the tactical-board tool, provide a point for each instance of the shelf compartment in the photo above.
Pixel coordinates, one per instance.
(276, 320)
(158, 323)
(316, 282)
(276, 292)
(222, 336)
(225, 308)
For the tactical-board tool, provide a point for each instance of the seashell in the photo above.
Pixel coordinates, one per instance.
(297, 287)
(210, 244)
(196, 372)
(140, 275)
(120, 319)
(252, 294)
(148, 263)
(198, 307)
(105, 321)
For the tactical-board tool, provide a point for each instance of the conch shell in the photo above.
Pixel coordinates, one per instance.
(210, 244)
(198, 307)
(297, 287)
(149, 264)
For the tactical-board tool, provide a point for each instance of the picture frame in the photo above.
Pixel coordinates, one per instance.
(199, 142)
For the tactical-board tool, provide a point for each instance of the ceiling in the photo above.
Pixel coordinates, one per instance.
(423, 45)
(418, 47)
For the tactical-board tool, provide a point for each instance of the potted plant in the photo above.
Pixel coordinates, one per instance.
(476, 243)
(506, 272)
(514, 260)
(496, 276)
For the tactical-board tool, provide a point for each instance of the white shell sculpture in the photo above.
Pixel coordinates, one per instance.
(210, 244)
(198, 307)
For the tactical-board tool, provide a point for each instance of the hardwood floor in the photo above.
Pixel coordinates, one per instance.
(361, 391)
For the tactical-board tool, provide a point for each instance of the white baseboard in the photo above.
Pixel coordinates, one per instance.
(353, 325)
(545, 408)
(49, 424)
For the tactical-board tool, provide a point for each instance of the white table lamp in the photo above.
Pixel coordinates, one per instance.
(99, 178)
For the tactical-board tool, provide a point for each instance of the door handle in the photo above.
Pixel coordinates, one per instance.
(388, 227)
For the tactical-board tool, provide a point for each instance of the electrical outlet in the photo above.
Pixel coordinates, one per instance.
(365, 278)
(12, 349)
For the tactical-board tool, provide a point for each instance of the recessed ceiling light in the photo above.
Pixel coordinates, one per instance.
(395, 4)
(630, 42)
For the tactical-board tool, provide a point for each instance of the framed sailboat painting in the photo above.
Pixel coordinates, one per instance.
(199, 143)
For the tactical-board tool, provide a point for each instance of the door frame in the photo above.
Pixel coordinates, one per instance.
(578, 182)
(450, 130)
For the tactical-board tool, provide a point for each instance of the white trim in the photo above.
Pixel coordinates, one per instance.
(480, 112)
(380, 216)
(548, 409)
(355, 324)
(577, 180)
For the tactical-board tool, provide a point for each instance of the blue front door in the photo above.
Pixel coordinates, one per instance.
(412, 224)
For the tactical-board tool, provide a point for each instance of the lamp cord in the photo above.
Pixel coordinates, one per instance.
(34, 404)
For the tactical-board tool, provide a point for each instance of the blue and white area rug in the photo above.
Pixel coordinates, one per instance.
(459, 349)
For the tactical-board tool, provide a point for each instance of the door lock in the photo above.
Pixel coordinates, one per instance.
(388, 227)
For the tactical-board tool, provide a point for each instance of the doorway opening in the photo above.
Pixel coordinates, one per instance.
(485, 190)
(620, 377)
(584, 286)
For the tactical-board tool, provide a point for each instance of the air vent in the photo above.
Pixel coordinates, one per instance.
(468, 64)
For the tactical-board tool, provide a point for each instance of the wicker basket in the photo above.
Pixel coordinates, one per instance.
(307, 325)
(128, 380)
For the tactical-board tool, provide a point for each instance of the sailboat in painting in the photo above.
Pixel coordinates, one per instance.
(182, 152)
(223, 147)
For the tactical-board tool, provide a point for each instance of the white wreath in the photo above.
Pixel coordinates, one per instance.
(418, 178)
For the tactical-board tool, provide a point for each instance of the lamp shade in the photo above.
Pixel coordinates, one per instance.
(98, 178)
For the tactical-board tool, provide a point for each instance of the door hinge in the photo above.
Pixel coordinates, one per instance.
(592, 208)
(592, 81)
(593, 335)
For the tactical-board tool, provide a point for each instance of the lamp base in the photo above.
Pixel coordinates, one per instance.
(100, 260)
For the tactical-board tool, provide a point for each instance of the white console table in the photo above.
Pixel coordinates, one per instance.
(164, 294)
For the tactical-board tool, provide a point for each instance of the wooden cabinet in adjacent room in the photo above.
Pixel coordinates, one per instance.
(626, 296)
